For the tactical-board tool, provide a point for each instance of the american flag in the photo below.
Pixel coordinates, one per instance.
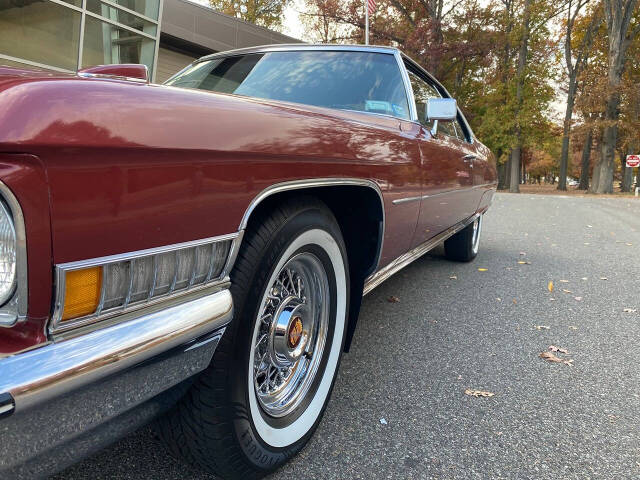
(371, 5)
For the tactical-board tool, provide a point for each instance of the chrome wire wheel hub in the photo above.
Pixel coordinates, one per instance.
(292, 332)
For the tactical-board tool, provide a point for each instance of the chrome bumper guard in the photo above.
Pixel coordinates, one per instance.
(54, 394)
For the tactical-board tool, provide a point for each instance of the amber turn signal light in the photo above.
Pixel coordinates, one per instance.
(82, 292)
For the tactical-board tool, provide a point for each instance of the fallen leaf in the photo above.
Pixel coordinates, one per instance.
(383, 421)
(553, 348)
(478, 393)
(573, 327)
(604, 278)
(579, 299)
(590, 226)
(499, 299)
(453, 277)
(550, 286)
(514, 301)
(564, 281)
(393, 299)
(587, 243)
(482, 270)
(629, 310)
(550, 357)
(568, 362)
(629, 244)
(584, 278)
(523, 253)
(522, 262)
(566, 291)
(542, 327)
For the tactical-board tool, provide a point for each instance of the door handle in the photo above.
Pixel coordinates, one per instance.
(469, 159)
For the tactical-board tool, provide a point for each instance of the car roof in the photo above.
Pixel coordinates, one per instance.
(291, 47)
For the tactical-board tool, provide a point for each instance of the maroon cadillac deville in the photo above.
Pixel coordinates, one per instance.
(197, 252)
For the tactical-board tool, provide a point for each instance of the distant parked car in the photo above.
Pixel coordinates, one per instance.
(572, 183)
(200, 253)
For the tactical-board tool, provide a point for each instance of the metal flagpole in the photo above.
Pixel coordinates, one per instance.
(366, 22)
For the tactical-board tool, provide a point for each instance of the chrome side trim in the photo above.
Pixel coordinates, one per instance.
(15, 309)
(61, 269)
(42, 374)
(377, 278)
(399, 201)
(311, 183)
(92, 262)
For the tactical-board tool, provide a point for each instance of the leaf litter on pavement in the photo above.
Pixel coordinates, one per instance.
(478, 393)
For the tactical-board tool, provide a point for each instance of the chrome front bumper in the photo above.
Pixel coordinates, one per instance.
(62, 394)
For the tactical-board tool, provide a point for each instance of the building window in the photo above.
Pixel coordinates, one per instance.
(67, 35)
(105, 43)
(40, 31)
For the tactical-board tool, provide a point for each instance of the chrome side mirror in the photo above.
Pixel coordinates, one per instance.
(441, 109)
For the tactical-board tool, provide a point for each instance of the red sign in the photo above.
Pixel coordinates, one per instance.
(633, 161)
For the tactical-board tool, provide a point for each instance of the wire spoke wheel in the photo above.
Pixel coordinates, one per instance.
(291, 335)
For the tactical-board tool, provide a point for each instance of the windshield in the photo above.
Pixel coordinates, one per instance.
(363, 81)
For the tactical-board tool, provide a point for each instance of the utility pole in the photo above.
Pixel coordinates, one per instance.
(366, 22)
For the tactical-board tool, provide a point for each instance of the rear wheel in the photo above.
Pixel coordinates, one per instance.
(264, 394)
(463, 246)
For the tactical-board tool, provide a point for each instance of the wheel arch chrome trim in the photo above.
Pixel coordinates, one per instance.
(310, 183)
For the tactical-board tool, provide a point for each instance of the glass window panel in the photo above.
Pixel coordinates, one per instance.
(121, 16)
(40, 31)
(106, 44)
(148, 8)
(422, 92)
(361, 81)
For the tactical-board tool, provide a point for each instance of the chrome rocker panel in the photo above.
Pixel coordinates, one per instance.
(399, 263)
(68, 390)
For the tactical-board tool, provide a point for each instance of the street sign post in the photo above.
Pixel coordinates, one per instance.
(633, 161)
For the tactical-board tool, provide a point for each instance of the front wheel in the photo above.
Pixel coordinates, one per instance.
(272, 374)
(463, 246)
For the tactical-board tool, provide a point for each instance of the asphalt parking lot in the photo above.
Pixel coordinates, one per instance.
(399, 408)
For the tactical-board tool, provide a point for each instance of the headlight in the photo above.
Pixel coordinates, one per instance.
(7, 255)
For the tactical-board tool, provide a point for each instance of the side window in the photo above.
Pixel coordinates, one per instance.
(422, 91)
(347, 80)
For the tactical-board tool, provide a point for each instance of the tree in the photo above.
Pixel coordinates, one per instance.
(267, 13)
(618, 14)
(573, 71)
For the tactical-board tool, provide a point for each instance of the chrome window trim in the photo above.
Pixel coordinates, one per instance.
(294, 47)
(313, 183)
(20, 299)
(99, 315)
(407, 87)
(403, 260)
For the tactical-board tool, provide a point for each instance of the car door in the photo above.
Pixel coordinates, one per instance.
(446, 165)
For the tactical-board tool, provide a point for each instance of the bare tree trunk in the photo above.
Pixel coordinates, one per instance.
(503, 175)
(618, 17)
(603, 171)
(586, 160)
(564, 157)
(516, 153)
